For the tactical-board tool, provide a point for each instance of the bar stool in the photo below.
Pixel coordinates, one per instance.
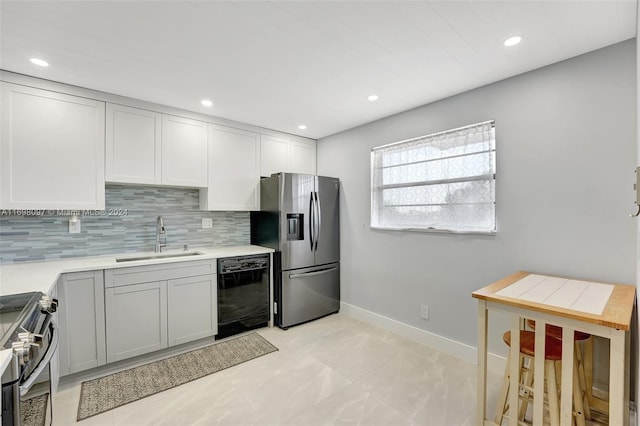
(553, 354)
(556, 332)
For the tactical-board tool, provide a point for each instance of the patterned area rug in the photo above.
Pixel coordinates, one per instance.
(34, 410)
(109, 392)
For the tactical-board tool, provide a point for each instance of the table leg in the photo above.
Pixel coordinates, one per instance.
(514, 385)
(566, 385)
(481, 385)
(618, 380)
(538, 380)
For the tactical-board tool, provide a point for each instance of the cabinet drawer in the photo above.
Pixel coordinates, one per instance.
(158, 272)
(76, 276)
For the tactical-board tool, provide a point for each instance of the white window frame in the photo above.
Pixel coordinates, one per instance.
(379, 219)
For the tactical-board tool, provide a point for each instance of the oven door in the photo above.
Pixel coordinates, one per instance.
(39, 374)
(11, 393)
(33, 379)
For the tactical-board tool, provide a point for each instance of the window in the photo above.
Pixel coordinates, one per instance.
(442, 182)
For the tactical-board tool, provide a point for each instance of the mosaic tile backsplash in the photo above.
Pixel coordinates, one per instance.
(128, 224)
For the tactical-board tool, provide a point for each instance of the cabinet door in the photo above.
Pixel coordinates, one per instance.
(184, 152)
(192, 309)
(302, 157)
(81, 320)
(51, 150)
(136, 319)
(234, 170)
(274, 155)
(133, 145)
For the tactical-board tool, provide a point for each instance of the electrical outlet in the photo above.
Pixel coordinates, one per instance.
(74, 226)
(207, 223)
(424, 311)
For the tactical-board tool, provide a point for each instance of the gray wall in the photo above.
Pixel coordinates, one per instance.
(128, 224)
(566, 149)
(635, 344)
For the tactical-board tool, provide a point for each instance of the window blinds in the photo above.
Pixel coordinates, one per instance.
(443, 181)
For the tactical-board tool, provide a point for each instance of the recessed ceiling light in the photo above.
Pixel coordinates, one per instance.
(206, 102)
(372, 98)
(512, 41)
(302, 127)
(39, 62)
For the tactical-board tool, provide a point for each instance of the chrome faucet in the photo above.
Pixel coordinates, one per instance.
(160, 230)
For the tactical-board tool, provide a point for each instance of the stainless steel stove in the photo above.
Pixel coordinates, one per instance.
(27, 328)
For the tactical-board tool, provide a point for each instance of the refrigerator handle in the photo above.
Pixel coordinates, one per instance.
(318, 220)
(312, 274)
(311, 219)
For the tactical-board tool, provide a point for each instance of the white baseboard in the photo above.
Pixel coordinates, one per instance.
(495, 363)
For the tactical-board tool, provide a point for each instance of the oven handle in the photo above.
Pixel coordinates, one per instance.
(53, 345)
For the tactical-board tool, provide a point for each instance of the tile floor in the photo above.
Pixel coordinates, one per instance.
(333, 371)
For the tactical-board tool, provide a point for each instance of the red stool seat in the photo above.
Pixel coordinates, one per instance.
(556, 332)
(553, 354)
(552, 346)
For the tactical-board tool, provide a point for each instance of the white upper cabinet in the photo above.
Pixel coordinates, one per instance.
(234, 170)
(134, 138)
(148, 147)
(274, 156)
(283, 155)
(51, 150)
(302, 157)
(184, 152)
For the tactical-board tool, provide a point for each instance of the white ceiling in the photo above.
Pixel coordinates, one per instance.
(278, 64)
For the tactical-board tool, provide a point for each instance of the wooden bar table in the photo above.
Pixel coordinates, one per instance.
(596, 308)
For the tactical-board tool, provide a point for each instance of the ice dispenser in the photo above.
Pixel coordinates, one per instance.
(295, 226)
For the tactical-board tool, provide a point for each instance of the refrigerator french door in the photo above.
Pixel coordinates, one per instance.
(299, 218)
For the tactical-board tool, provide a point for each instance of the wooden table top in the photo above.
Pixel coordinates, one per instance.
(591, 306)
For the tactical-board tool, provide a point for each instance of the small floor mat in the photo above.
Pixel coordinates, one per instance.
(108, 392)
(33, 411)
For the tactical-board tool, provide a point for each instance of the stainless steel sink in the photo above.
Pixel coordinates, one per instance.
(157, 256)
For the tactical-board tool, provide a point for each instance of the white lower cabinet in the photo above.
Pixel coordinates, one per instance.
(81, 321)
(136, 320)
(149, 308)
(192, 309)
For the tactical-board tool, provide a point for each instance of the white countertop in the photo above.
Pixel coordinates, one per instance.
(42, 276)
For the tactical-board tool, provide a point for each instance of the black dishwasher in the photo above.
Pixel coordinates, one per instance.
(243, 294)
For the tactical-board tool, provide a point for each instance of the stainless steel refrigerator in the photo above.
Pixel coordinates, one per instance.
(299, 218)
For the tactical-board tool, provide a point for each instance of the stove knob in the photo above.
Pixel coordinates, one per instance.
(28, 337)
(48, 304)
(22, 351)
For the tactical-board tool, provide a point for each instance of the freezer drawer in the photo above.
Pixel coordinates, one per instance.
(308, 293)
